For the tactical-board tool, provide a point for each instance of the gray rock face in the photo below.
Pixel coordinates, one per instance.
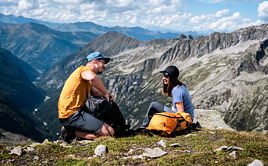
(210, 119)
(226, 72)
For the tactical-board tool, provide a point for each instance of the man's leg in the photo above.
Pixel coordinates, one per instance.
(105, 130)
(89, 127)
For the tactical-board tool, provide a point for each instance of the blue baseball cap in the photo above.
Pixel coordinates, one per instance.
(97, 55)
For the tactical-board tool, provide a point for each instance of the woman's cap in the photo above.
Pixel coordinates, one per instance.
(171, 71)
(97, 55)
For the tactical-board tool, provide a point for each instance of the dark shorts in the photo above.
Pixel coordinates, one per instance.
(82, 121)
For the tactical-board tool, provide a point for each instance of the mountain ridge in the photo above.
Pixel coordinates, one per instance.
(18, 98)
(135, 32)
(39, 45)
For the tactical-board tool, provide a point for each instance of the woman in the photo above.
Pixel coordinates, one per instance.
(181, 99)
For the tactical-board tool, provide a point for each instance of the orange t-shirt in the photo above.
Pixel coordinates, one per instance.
(74, 94)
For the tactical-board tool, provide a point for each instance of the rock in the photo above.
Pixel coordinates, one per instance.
(17, 150)
(233, 154)
(230, 148)
(256, 163)
(90, 158)
(45, 141)
(162, 143)
(30, 149)
(221, 148)
(210, 119)
(175, 145)
(134, 157)
(36, 158)
(265, 132)
(100, 150)
(57, 141)
(183, 151)
(153, 153)
(130, 152)
(64, 144)
(34, 145)
(189, 135)
(85, 142)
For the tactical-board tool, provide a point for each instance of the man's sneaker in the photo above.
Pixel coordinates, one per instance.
(67, 135)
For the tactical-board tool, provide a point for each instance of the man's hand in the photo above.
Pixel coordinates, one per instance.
(111, 97)
(106, 96)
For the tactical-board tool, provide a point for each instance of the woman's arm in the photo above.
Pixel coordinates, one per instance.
(180, 107)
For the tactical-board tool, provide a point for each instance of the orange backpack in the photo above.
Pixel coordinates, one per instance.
(169, 122)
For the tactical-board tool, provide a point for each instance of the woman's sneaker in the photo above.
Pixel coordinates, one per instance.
(67, 135)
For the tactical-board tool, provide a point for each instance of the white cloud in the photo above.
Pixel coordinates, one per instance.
(222, 12)
(24, 4)
(221, 21)
(152, 13)
(119, 3)
(263, 10)
(212, 1)
(209, 17)
(63, 2)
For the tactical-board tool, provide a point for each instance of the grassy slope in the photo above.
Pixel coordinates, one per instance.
(194, 150)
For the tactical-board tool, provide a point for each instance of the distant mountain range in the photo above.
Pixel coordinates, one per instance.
(39, 45)
(11, 19)
(134, 32)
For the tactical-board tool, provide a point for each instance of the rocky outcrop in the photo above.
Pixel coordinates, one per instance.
(204, 45)
(248, 110)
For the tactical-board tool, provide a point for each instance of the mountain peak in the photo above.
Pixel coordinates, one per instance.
(113, 42)
(114, 35)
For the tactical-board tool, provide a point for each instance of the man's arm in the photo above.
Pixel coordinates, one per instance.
(95, 92)
(96, 82)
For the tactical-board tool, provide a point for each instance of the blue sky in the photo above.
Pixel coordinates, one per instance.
(176, 15)
(246, 8)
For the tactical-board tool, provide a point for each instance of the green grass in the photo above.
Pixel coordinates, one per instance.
(193, 150)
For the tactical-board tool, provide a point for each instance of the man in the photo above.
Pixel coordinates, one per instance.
(82, 83)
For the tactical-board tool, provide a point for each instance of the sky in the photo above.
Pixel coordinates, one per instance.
(175, 15)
